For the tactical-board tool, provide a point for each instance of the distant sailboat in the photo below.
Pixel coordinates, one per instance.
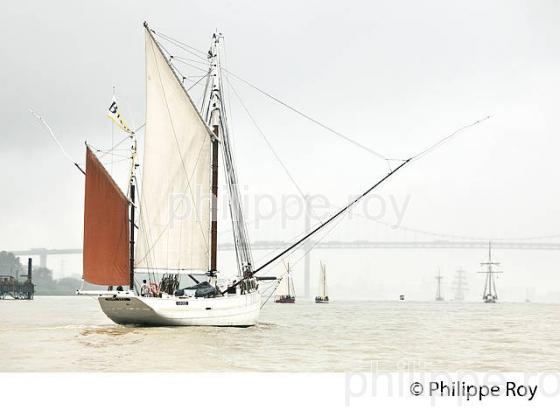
(286, 292)
(490, 295)
(439, 297)
(323, 296)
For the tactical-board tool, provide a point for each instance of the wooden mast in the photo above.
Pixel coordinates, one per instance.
(132, 195)
(215, 120)
(132, 219)
(214, 226)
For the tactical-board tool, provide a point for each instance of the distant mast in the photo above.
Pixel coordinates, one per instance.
(439, 297)
(490, 295)
(323, 281)
(460, 285)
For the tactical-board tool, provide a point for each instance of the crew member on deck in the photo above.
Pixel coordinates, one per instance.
(144, 289)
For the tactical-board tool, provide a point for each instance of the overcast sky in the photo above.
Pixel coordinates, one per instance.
(394, 75)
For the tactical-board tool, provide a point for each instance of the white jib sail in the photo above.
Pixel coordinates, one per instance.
(175, 199)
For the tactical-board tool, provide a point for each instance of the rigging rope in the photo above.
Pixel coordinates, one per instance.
(56, 140)
(267, 141)
(373, 152)
(377, 154)
(417, 156)
(447, 138)
(184, 46)
(301, 257)
(313, 120)
(188, 48)
(182, 61)
(275, 285)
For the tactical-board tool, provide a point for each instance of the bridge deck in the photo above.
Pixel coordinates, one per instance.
(43, 253)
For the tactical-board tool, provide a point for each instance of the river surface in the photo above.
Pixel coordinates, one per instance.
(72, 334)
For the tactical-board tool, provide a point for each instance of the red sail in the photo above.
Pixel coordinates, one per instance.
(106, 228)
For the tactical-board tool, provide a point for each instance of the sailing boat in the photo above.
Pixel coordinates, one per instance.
(490, 295)
(323, 297)
(439, 297)
(177, 232)
(174, 237)
(286, 292)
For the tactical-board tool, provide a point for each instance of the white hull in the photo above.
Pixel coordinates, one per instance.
(230, 310)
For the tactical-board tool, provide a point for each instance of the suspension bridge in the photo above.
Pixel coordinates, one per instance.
(44, 253)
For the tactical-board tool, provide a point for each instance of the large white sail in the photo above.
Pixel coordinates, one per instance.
(175, 199)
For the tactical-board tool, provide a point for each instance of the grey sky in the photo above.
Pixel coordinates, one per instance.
(394, 75)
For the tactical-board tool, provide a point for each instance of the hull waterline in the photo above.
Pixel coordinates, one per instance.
(285, 299)
(231, 310)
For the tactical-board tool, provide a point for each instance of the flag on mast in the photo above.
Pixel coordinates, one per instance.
(115, 116)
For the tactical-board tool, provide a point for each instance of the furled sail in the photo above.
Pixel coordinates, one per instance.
(106, 228)
(175, 199)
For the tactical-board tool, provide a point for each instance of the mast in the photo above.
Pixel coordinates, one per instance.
(490, 287)
(323, 280)
(132, 197)
(288, 291)
(460, 285)
(214, 227)
(215, 121)
(216, 116)
(291, 289)
(132, 244)
(438, 291)
(490, 294)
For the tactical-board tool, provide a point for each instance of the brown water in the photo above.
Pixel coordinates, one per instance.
(72, 334)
